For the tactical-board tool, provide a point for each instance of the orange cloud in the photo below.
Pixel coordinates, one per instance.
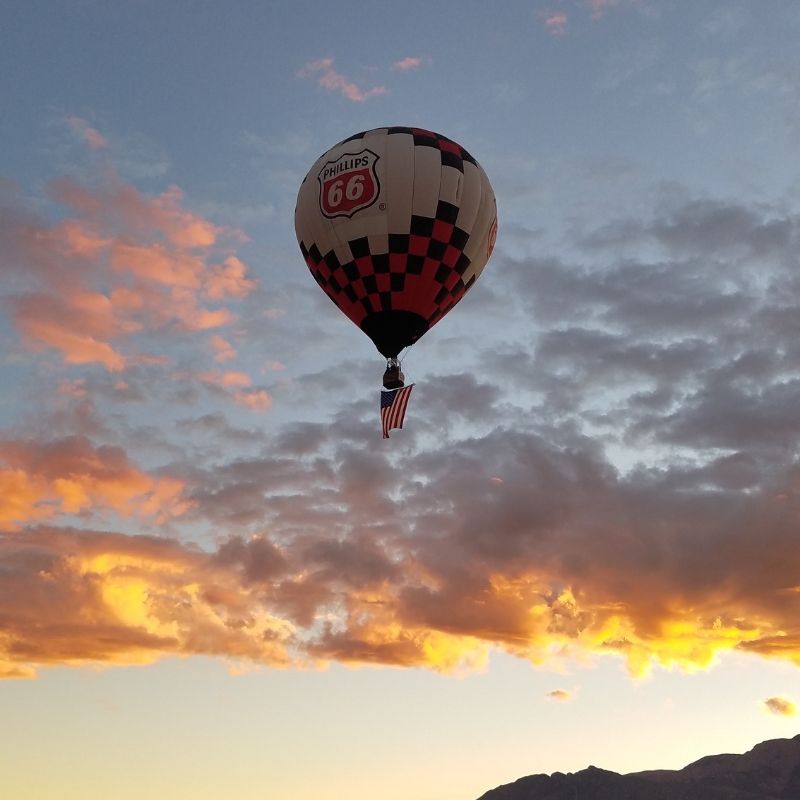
(563, 559)
(562, 695)
(70, 476)
(520, 619)
(331, 80)
(153, 597)
(229, 279)
(235, 384)
(780, 706)
(254, 399)
(79, 239)
(370, 628)
(74, 388)
(226, 380)
(156, 263)
(117, 205)
(20, 498)
(184, 308)
(77, 323)
(223, 349)
(77, 598)
(125, 263)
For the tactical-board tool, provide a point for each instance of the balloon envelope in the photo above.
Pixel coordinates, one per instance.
(396, 224)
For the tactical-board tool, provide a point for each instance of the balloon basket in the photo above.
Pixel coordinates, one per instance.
(393, 378)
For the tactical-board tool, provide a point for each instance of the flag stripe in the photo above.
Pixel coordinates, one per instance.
(393, 408)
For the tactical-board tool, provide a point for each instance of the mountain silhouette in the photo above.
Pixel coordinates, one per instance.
(770, 771)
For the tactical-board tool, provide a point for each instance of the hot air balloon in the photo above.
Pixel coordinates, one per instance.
(396, 224)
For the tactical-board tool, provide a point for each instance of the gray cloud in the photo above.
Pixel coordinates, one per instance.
(613, 461)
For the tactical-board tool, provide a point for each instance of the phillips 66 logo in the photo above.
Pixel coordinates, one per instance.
(348, 184)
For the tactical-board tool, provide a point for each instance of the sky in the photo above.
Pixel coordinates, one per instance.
(217, 579)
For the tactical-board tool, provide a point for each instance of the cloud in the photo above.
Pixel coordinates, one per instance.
(562, 695)
(229, 279)
(780, 706)
(116, 204)
(599, 7)
(254, 399)
(332, 81)
(423, 560)
(406, 64)
(525, 535)
(73, 388)
(77, 598)
(234, 384)
(584, 483)
(726, 22)
(89, 135)
(42, 480)
(537, 564)
(595, 491)
(122, 265)
(624, 67)
(666, 322)
(226, 380)
(555, 22)
(223, 349)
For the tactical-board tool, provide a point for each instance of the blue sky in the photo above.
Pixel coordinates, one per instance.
(586, 528)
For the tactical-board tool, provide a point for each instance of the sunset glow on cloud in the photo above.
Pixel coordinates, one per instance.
(124, 263)
(106, 598)
(405, 64)
(223, 350)
(556, 23)
(780, 706)
(416, 611)
(87, 133)
(547, 556)
(217, 578)
(332, 81)
(41, 480)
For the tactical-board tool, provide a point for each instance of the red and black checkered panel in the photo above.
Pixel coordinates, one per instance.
(452, 153)
(421, 273)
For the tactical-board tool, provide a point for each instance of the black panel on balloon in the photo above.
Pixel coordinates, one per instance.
(391, 331)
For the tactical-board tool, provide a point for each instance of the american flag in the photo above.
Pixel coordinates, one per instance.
(393, 408)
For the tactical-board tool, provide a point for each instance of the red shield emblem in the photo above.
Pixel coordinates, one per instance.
(348, 184)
